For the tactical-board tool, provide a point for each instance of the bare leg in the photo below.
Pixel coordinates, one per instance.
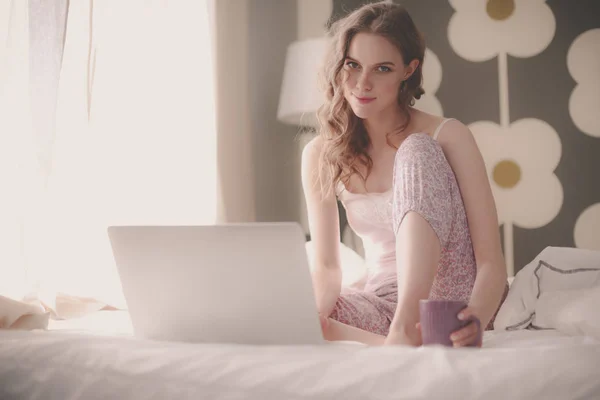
(336, 330)
(418, 250)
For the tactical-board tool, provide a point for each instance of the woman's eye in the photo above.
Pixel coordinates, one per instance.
(352, 64)
(384, 69)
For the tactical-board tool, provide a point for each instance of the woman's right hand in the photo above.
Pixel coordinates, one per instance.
(324, 323)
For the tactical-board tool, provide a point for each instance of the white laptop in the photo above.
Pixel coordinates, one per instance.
(234, 283)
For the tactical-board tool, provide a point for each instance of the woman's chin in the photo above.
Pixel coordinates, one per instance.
(361, 112)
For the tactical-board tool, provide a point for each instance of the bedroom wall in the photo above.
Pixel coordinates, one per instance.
(234, 144)
(258, 159)
(524, 76)
(272, 26)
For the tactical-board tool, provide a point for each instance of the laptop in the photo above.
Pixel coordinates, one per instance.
(233, 283)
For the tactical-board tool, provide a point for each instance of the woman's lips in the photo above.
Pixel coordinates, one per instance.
(364, 100)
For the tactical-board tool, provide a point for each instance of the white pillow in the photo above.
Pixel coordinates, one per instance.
(555, 268)
(354, 269)
(573, 312)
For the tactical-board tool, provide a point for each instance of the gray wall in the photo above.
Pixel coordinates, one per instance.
(234, 144)
(272, 26)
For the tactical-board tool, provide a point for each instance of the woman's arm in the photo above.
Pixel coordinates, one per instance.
(323, 220)
(466, 161)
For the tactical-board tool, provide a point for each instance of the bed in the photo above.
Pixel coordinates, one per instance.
(546, 346)
(96, 357)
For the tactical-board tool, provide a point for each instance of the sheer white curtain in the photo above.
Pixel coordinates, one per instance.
(135, 141)
(19, 173)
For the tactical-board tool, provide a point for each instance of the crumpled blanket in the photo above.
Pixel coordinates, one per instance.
(34, 312)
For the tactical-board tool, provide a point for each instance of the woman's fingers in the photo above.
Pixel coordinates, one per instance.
(468, 330)
(467, 341)
(466, 336)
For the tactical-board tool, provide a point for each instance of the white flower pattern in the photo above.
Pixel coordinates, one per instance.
(477, 33)
(586, 228)
(583, 61)
(520, 161)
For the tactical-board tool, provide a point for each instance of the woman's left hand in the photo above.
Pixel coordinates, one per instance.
(469, 335)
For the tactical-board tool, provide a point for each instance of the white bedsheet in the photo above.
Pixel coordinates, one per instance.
(71, 363)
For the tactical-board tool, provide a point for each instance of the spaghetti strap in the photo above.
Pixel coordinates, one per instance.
(439, 128)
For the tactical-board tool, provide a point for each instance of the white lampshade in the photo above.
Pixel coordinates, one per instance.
(300, 96)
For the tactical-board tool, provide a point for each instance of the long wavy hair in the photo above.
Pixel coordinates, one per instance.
(345, 139)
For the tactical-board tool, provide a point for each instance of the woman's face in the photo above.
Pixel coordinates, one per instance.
(373, 72)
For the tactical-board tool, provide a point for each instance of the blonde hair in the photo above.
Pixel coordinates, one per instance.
(345, 140)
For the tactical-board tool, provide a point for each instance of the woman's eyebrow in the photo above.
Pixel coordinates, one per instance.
(381, 63)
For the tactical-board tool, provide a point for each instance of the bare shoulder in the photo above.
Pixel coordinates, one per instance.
(312, 172)
(425, 122)
(313, 147)
(312, 153)
(454, 131)
(457, 141)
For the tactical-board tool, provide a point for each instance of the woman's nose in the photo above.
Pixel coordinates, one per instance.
(363, 83)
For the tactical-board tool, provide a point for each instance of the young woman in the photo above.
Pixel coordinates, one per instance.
(414, 186)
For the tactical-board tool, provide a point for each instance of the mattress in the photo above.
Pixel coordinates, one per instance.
(98, 358)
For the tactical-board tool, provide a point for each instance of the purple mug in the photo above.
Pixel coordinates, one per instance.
(439, 319)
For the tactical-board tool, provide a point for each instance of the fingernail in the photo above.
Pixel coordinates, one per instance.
(461, 316)
(453, 337)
